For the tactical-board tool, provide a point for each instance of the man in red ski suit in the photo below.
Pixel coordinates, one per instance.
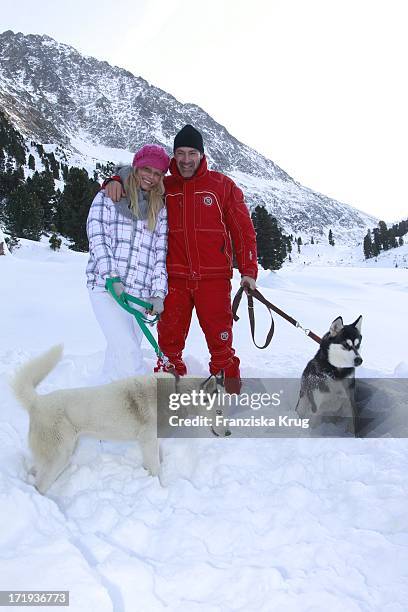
(206, 211)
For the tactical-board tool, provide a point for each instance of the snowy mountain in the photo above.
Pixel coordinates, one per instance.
(96, 112)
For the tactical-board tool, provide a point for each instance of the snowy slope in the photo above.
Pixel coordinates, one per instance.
(342, 254)
(243, 524)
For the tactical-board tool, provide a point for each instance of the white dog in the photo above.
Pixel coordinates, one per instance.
(122, 410)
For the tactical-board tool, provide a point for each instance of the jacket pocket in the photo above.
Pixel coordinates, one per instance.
(208, 211)
(213, 251)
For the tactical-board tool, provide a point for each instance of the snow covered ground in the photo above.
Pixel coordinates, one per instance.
(283, 525)
(343, 254)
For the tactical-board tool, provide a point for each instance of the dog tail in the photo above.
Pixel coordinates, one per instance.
(32, 373)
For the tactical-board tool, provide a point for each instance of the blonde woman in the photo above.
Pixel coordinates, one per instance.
(128, 241)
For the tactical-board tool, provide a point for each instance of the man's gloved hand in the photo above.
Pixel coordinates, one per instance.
(114, 190)
(248, 283)
(118, 288)
(158, 305)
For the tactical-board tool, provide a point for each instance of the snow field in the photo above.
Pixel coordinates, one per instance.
(281, 525)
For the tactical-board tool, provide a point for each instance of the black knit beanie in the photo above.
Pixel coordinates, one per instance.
(189, 137)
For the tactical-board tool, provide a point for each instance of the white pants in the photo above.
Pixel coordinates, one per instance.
(123, 356)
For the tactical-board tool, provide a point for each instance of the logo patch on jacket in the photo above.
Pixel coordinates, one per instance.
(208, 200)
(224, 335)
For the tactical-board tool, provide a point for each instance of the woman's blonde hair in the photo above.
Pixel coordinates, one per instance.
(155, 202)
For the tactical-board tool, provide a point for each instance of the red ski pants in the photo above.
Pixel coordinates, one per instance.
(212, 300)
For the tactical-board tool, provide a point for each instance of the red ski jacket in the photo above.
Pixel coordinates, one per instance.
(205, 213)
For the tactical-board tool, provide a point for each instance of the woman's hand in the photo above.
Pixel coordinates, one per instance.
(158, 305)
(118, 288)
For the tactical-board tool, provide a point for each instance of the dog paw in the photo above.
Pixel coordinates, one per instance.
(31, 479)
(152, 470)
(162, 478)
(221, 431)
(31, 475)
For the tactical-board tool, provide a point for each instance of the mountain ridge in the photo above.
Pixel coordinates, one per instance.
(54, 94)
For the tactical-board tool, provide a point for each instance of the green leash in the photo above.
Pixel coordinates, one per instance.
(125, 300)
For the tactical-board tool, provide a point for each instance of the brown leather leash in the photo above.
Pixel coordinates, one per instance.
(258, 296)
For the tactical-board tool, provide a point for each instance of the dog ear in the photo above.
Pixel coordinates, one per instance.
(336, 326)
(357, 323)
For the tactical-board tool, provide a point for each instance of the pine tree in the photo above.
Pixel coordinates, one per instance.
(392, 237)
(104, 171)
(271, 243)
(11, 142)
(55, 242)
(376, 242)
(74, 207)
(279, 245)
(40, 150)
(10, 179)
(23, 214)
(43, 185)
(312, 240)
(331, 239)
(58, 212)
(400, 241)
(54, 165)
(384, 237)
(64, 168)
(403, 227)
(368, 245)
(31, 162)
(263, 229)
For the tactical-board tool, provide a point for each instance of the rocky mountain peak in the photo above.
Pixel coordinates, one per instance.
(54, 94)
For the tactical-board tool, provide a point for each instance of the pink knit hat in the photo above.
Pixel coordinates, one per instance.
(152, 155)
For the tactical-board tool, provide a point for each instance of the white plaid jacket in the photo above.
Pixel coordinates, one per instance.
(122, 245)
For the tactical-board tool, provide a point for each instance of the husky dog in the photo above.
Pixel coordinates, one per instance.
(327, 383)
(122, 410)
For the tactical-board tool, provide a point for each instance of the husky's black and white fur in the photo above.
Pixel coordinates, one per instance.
(327, 384)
